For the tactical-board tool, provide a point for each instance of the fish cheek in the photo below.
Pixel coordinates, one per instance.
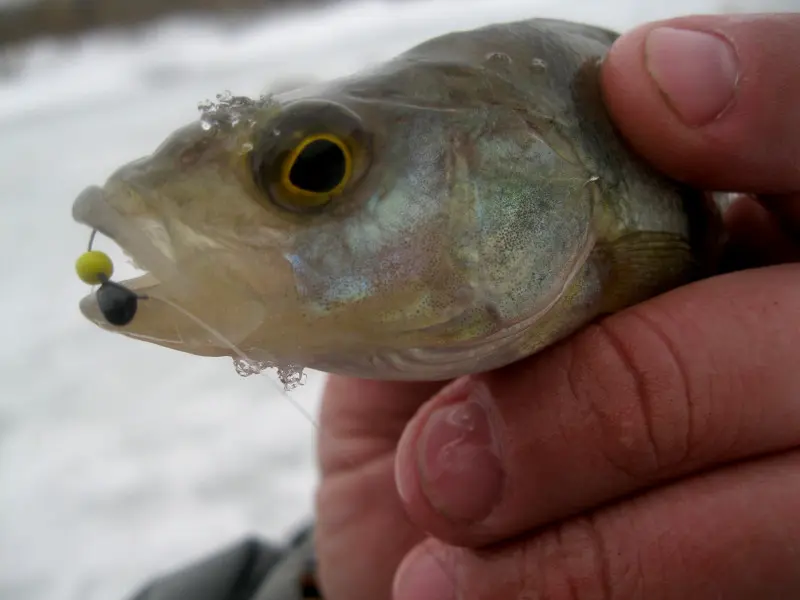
(533, 216)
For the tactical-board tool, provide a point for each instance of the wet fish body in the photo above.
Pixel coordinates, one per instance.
(452, 210)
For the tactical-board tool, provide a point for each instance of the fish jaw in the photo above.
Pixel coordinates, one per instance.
(93, 209)
(174, 308)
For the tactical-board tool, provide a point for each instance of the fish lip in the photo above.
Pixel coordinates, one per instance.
(163, 286)
(83, 205)
(93, 209)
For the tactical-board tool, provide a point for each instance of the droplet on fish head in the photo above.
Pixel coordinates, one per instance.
(538, 65)
(229, 111)
(498, 58)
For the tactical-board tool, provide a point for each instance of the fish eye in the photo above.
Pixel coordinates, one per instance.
(318, 167)
(312, 154)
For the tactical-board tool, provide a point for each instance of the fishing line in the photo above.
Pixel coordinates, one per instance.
(119, 305)
(222, 339)
(91, 240)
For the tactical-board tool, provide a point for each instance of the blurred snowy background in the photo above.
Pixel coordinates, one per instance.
(119, 459)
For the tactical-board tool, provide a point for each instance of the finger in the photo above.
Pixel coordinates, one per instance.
(700, 376)
(361, 418)
(731, 534)
(357, 506)
(712, 100)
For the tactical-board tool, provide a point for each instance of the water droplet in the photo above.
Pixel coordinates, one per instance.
(229, 111)
(498, 58)
(246, 368)
(538, 65)
(246, 147)
(290, 376)
(463, 418)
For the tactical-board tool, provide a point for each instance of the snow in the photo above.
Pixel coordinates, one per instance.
(120, 459)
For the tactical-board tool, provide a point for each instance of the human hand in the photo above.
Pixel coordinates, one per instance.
(655, 454)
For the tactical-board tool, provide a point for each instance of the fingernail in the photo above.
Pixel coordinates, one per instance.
(423, 577)
(458, 459)
(696, 72)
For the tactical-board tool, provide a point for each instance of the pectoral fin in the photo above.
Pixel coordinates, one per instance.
(641, 265)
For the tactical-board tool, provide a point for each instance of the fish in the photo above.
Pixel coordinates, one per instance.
(452, 210)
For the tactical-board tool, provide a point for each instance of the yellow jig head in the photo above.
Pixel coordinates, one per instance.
(117, 303)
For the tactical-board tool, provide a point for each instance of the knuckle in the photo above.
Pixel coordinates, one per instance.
(571, 562)
(636, 387)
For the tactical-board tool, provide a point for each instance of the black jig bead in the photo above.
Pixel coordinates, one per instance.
(117, 303)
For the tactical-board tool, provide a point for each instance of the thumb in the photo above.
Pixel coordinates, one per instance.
(712, 100)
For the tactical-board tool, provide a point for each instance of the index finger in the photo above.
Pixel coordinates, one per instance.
(712, 100)
(701, 376)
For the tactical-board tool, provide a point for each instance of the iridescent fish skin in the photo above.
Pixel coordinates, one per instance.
(491, 210)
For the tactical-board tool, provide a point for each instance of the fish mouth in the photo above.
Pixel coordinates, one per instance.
(167, 312)
(93, 209)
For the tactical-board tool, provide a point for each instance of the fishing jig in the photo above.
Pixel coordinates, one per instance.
(117, 303)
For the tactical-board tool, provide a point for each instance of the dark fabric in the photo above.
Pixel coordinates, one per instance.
(292, 578)
(249, 570)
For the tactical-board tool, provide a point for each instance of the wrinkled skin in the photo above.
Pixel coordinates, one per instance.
(492, 210)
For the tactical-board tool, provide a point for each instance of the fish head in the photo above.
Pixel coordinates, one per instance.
(314, 229)
(446, 212)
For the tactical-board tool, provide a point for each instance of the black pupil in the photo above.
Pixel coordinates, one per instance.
(319, 167)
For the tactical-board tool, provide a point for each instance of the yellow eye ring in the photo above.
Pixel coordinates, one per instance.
(291, 162)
